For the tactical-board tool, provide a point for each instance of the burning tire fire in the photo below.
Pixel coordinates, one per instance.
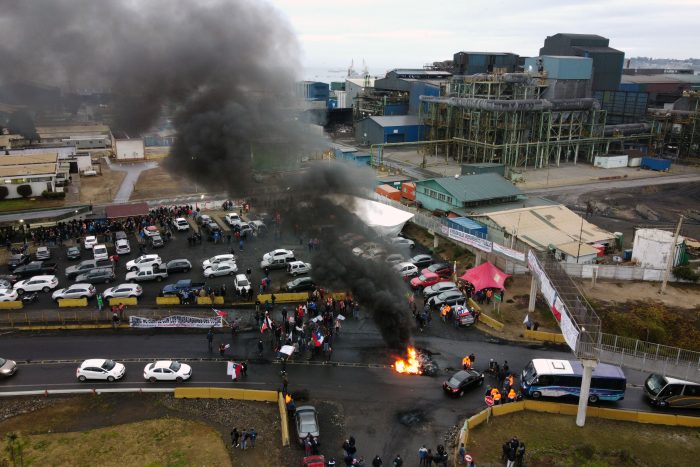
(417, 362)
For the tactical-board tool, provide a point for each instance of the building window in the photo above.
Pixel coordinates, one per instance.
(441, 197)
(449, 200)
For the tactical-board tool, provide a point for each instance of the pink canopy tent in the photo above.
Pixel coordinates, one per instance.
(485, 276)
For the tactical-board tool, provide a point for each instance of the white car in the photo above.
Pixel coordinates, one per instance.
(242, 284)
(89, 242)
(8, 295)
(36, 284)
(147, 273)
(181, 224)
(278, 254)
(100, 252)
(122, 247)
(402, 242)
(406, 269)
(42, 253)
(123, 291)
(395, 258)
(151, 231)
(227, 258)
(81, 290)
(221, 269)
(143, 260)
(167, 370)
(232, 218)
(298, 267)
(100, 368)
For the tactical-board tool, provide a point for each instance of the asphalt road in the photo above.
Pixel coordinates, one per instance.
(373, 398)
(606, 185)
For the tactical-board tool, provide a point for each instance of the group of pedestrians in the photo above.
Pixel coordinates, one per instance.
(513, 453)
(428, 458)
(244, 439)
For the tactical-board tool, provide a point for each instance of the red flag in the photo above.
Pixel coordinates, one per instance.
(263, 328)
(219, 312)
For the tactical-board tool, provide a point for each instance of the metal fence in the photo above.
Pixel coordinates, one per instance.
(616, 272)
(650, 357)
(15, 318)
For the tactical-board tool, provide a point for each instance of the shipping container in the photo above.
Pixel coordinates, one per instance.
(610, 162)
(465, 224)
(408, 191)
(652, 163)
(389, 192)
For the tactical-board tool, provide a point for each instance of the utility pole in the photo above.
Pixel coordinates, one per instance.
(671, 255)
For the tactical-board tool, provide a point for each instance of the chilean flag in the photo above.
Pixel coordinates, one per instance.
(223, 314)
(267, 324)
(317, 337)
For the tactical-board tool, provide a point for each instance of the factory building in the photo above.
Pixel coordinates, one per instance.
(607, 62)
(388, 129)
(565, 77)
(39, 172)
(460, 194)
(471, 63)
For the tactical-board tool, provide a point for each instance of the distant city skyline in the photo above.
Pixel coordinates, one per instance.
(410, 33)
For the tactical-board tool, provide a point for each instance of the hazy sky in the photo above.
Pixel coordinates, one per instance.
(390, 33)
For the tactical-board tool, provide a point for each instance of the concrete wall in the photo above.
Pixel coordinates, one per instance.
(129, 149)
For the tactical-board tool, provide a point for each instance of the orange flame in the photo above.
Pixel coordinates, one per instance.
(411, 365)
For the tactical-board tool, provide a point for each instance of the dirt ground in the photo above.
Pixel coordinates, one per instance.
(555, 440)
(83, 413)
(101, 188)
(159, 183)
(156, 152)
(617, 292)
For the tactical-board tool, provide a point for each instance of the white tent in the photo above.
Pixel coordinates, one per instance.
(387, 221)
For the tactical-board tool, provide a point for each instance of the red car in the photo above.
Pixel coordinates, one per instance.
(441, 269)
(425, 279)
(313, 461)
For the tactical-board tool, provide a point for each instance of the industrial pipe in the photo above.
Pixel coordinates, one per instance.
(626, 128)
(513, 105)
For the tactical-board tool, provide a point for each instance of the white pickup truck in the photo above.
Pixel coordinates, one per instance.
(148, 273)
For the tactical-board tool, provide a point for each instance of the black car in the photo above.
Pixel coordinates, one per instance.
(178, 265)
(450, 297)
(157, 241)
(442, 269)
(421, 261)
(7, 279)
(463, 381)
(73, 252)
(300, 284)
(97, 276)
(18, 260)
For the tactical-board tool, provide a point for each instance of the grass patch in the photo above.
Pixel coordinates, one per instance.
(22, 204)
(554, 440)
(160, 442)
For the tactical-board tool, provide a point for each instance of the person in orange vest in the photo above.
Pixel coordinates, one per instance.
(496, 397)
(467, 363)
(489, 295)
(512, 395)
(510, 380)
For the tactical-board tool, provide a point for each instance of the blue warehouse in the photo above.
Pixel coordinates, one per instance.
(389, 129)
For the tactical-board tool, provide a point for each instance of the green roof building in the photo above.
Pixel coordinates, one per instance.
(468, 191)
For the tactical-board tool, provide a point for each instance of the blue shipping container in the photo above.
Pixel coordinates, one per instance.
(652, 163)
(467, 225)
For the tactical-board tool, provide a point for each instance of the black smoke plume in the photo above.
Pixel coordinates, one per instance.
(225, 70)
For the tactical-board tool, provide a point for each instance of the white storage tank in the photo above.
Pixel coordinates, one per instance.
(611, 162)
(652, 246)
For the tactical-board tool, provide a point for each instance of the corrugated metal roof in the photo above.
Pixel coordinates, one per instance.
(522, 203)
(361, 81)
(419, 71)
(600, 50)
(126, 210)
(468, 188)
(396, 120)
(549, 225)
(28, 169)
(28, 159)
(661, 78)
(577, 249)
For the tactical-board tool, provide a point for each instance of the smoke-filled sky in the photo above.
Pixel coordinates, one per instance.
(409, 33)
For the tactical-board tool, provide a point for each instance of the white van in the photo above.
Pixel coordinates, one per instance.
(100, 252)
(298, 267)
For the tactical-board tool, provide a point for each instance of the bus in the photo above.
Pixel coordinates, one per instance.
(560, 378)
(663, 391)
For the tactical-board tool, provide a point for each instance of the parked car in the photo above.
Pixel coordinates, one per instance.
(73, 252)
(280, 263)
(306, 423)
(84, 266)
(123, 291)
(143, 260)
(147, 273)
(402, 242)
(351, 239)
(406, 270)
(8, 294)
(183, 285)
(167, 370)
(442, 269)
(100, 252)
(422, 261)
(7, 367)
(463, 381)
(278, 254)
(300, 284)
(42, 253)
(314, 461)
(258, 227)
(6, 280)
(150, 231)
(438, 288)
(97, 276)
(225, 258)
(122, 247)
(394, 259)
(424, 280)
(89, 242)
(221, 269)
(231, 218)
(36, 284)
(100, 368)
(241, 284)
(178, 265)
(203, 219)
(18, 260)
(120, 235)
(35, 268)
(156, 241)
(75, 291)
(298, 267)
(181, 224)
(450, 297)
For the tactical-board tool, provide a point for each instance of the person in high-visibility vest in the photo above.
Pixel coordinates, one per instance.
(496, 398)
(512, 395)
(467, 363)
